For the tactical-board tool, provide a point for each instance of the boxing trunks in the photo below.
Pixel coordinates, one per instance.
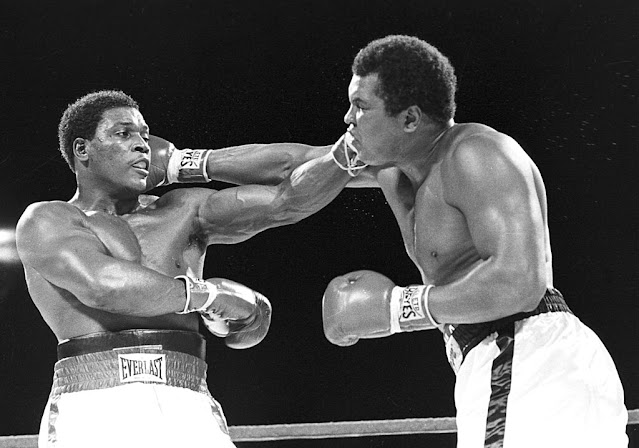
(537, 379)
(130, 389)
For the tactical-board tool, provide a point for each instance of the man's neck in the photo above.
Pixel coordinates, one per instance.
(99, 201)
(421, 152)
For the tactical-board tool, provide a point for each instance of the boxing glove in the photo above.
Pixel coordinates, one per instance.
(366, 304)
(230, 310)
(357, 305)
(250, 331)
(170, 165)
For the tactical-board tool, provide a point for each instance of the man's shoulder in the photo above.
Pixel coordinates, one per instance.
(469, 135)
(179, 193)
(480, 156)
(183, 197)
(48, 210)
(475, 145)
(44, 220)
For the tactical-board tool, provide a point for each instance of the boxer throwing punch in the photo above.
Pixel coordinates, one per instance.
(116, 273)
(471, 207)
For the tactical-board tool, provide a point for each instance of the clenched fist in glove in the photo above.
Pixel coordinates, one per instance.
(230, 310)
(366, 304)
(170, 165)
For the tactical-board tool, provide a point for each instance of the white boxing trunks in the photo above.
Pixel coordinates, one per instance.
(130, 389)
(544, 380)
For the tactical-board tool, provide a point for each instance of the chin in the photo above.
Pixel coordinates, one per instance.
(136, 189)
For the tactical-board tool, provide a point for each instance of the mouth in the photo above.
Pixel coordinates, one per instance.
(351, 140)
(141, 165)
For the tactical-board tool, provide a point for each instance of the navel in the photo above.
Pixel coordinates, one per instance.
(433, 254)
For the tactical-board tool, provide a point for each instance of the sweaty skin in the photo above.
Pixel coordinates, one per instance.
(106, 259)
(470, 204)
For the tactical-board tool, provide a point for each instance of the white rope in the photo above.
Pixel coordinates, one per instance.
(343, 429)
(327, 430)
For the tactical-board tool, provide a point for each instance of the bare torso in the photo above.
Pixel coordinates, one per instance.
(436, 234)
(161, 235)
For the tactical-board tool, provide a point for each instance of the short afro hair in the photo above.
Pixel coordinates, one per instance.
(410, 72)
(81, 118)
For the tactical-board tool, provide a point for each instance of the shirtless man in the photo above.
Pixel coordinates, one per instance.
(471, 207)
(116, 273)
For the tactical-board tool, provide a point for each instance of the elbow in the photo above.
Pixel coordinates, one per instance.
(525, 290)
(103, 289)
(534, 285)
(291, 208)
(282, 171)
(290, 215)
(532, 294)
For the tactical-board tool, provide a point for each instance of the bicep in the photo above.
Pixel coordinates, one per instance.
(236, 214)
(495, 192)
(55, 243)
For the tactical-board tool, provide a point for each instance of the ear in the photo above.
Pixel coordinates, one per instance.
(80, 149)
(411, 118)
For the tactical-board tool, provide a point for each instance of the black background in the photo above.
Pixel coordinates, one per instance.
(559, 76)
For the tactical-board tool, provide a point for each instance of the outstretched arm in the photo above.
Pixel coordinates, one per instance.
(235, 214)
(262, 164)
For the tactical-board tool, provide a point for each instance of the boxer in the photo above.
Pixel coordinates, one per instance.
(117, 273)
(471, 208)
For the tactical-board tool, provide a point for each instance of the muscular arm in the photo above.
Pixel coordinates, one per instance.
(54, 240)
(270, 164)
(489, 179)
(263, 164)
(236, 214)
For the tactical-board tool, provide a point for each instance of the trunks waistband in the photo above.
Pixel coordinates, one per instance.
(460, 339)
(119, 367)
(187, 342)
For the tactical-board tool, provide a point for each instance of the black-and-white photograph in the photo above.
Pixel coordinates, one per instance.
(365, 223)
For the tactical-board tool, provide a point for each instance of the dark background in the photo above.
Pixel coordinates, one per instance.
(559, 76)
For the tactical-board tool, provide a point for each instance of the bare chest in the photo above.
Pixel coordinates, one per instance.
(160, 238)
(435, 234)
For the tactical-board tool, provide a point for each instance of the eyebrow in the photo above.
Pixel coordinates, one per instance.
(359, 100)
(130, 124)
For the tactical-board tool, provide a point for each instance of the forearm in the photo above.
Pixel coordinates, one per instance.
(487, 292)
(123, 287)
(256, 164)
(312, 186)
(262, 164)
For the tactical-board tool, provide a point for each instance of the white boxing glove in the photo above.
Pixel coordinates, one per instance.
(230, 310)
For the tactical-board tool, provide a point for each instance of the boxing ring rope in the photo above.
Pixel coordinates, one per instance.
(327, 430)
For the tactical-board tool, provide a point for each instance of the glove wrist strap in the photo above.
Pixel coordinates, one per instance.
(195, 287)
(188, 166)
(409, 309)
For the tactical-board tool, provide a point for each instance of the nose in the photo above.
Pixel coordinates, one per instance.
(348, 118)
(142, 146)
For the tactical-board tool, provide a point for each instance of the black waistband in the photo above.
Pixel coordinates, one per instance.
(188, 342)
(469, 335)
